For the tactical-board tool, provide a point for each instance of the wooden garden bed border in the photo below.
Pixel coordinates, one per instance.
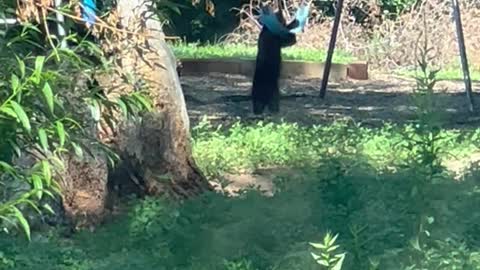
(290, 69)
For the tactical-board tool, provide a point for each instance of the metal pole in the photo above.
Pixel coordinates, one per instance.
(331, 48)
(60, 22)
(463, 53)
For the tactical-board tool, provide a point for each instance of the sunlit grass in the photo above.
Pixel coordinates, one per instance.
(241, 51)
(452, 73)
(266, 144)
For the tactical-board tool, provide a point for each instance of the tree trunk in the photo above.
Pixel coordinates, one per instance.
(157, 149)
(84, 180)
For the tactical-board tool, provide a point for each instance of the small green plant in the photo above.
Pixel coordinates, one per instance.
(423, 142)
(327, 258)
(5, 262)
(242, 264)
(356, 233)
(448, 74)
(424, 139)
(151, 214)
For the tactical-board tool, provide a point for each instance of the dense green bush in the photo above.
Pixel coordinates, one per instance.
(35, 122)
(371, 208)
(48, 105)
(195, 24)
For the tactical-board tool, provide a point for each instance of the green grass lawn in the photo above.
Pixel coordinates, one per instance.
(246, 148)
(249, 52)
(447, 74)
(360, 183)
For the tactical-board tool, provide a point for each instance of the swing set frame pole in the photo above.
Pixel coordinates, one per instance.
(331, 49)
(463, 54)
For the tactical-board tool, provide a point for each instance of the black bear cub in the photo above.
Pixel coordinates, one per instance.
(265, 86)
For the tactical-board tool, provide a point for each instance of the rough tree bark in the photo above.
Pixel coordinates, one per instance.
(156, 152)
(157, 149)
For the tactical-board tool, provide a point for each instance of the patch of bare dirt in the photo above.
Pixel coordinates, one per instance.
(225, 98)
(235, 183)
(261, 179)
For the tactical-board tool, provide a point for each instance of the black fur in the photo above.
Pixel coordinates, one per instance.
(265, 86)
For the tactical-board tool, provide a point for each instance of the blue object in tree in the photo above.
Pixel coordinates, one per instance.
(270, 20)
(301, 16)
(88, 13)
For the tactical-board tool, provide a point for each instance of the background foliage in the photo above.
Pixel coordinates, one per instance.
(50, 107)
(195, 24)
(378, 198)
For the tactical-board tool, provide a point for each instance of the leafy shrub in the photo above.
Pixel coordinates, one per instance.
(257, 232)
(195, 23)
(327, 258)
(48, 110)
